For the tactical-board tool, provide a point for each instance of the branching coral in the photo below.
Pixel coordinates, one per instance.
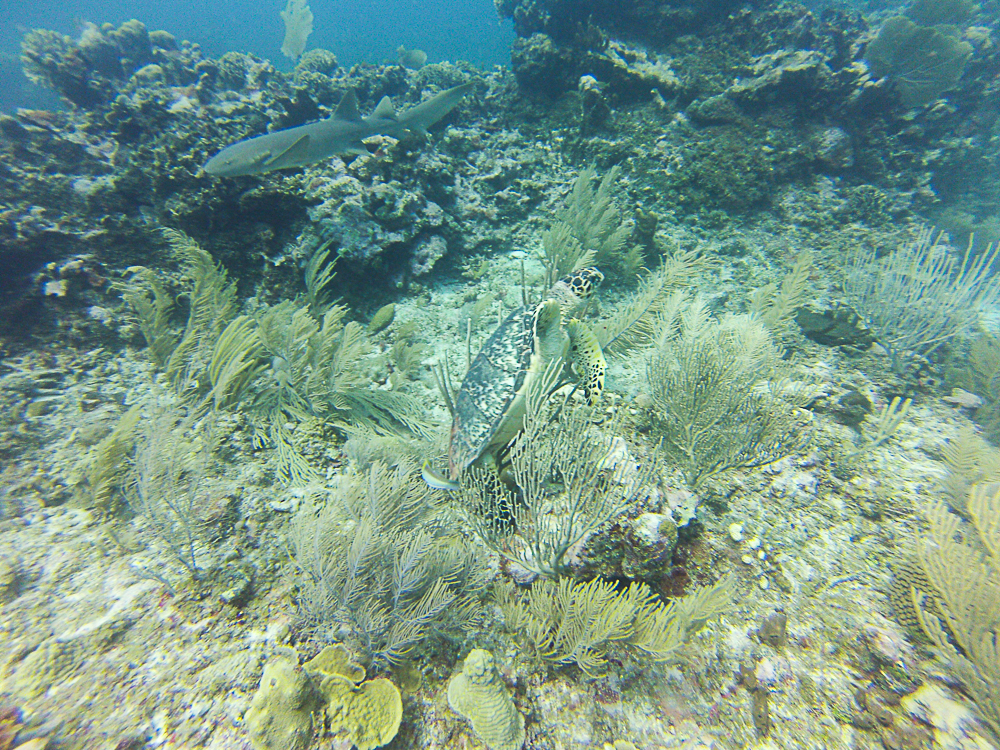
(961, 614)
(588, 230)
(920, 295)
(374, 557)
(319, 368)
(294, 361)
(634, 322)
(712, 403)
(168, 485)
(578, 623)
(200, 361)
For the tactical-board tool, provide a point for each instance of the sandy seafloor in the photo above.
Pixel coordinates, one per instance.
(98, 654)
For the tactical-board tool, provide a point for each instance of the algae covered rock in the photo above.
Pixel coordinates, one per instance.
(280, 716)
(478, 695)
(369, 713)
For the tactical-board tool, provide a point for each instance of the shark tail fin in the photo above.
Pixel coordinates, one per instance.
(384, 110)
(348, 108)
(421, 116)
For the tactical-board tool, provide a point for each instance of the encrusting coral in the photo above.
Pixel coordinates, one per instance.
(332, 687)
(335, 659)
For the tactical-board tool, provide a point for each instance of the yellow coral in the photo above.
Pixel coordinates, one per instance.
(478, 695)
(280, 716)
(369, 713)
(335, 659)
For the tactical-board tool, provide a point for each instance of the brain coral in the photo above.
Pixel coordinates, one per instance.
(479, 696)
(369, 714)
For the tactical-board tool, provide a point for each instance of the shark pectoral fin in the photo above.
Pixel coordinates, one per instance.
(293, 156)
(384, 110)
(348, 108)
(357, 148)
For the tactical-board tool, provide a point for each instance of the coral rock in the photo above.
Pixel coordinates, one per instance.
(280, 716)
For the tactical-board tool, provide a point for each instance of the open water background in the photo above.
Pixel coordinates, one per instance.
(354, 30)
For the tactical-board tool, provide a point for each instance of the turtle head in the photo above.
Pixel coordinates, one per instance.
(584, 282)
(573, 290)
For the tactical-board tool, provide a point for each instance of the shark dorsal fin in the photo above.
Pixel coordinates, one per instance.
(293, 156)
(348, 108)
(384, 110)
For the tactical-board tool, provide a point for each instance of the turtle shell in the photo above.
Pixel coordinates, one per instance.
(493, 381)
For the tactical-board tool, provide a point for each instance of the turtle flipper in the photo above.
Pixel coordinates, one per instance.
(587, 359)
(550, 339)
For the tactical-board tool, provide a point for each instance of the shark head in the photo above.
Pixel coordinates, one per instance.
(238, 160)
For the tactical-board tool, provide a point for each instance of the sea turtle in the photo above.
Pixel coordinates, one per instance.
(488, 410)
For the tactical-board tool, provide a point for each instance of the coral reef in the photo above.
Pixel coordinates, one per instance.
(152, 108)
(573, 39)
(217, 395)
(89, 71)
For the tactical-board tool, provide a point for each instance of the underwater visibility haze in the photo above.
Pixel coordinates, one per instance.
(531, 374)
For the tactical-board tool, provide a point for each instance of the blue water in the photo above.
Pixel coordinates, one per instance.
(355, 30)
